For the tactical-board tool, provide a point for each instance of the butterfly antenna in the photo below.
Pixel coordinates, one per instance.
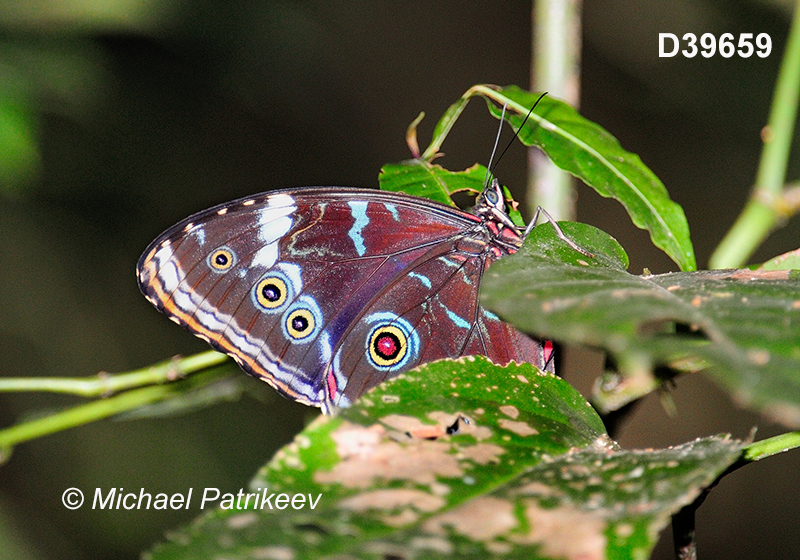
(516, 134)
(494, 148)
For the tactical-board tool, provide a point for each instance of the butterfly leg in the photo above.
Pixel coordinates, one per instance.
(549, 218)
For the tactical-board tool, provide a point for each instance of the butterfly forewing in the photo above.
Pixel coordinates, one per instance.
(324, 292)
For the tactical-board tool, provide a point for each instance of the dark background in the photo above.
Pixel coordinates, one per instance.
(131, 116)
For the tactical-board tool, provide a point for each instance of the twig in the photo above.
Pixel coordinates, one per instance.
(760, 216)
(555, 68)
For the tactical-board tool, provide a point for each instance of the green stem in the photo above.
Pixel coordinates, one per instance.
(99, 409)
(105, 384)
(762, 212)
(555, 68)
(82, 414)
(772, 446)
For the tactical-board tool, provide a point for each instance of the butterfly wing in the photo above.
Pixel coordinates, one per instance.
(324, 293)
(429, 313)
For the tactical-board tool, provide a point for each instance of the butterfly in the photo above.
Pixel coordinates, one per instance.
(325, 292)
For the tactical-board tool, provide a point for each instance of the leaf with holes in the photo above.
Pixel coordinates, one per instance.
(428, 180)
(458, 459)
(420, 178)
(744, 324)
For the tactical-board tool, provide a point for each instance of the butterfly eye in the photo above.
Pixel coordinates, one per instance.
(271, 292)
(300, 323)
(492, 197)
(221, 260)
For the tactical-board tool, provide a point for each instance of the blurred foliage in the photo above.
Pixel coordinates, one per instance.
(19, 158)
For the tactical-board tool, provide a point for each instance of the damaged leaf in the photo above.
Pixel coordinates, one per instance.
(743, 325)
(459, 459)
(428, 180)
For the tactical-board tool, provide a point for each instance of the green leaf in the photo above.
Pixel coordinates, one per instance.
(592, 154)
(460, 459)
(577, 146)
(605, 250)
(591, 504)
(421, 178)
(745, 324)
(786, 261)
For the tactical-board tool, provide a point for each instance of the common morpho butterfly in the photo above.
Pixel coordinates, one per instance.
(325, 292)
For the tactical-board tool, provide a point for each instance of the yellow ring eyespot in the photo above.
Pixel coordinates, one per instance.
(388, 346)
(300, 323)
(271, 292)
(221, 259)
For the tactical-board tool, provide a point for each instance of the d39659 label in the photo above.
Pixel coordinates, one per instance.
(726, 46)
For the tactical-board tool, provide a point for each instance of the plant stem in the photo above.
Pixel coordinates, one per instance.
(105, 384)
(102, 408)
(762, 211)
(771, 446)
(82, 414)
(683, 533)
(555, 68)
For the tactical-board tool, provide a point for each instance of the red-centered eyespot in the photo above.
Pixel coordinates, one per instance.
(387, 345)
(392, 344)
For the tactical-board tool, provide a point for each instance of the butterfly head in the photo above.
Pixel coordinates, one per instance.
(491, 205)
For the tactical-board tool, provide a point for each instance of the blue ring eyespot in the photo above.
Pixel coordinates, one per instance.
(392, 344)
(387, 346)
(221, 259)
(273, 292)
(300, 323)
(302, 320)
